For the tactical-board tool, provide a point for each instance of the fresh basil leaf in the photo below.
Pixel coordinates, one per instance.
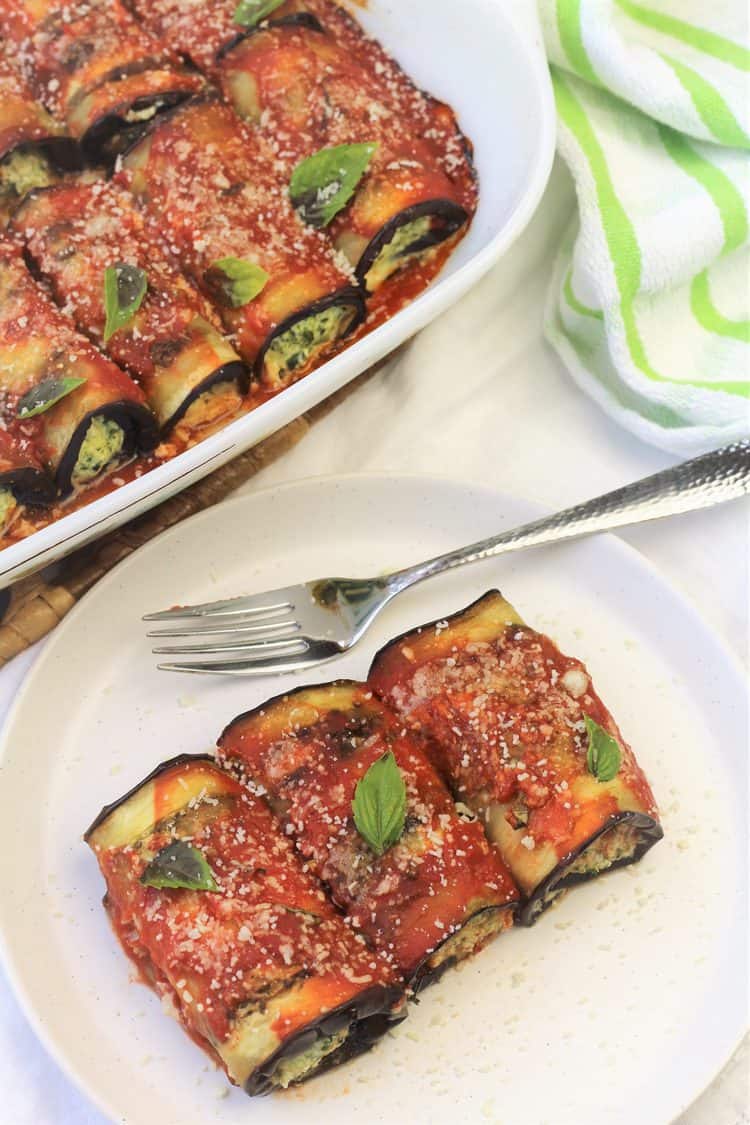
(124, 289)
(379, 804)
(235, 281)
(324, 183)
(179, 865)
(248, 13)
(46, 394)
(603, 757)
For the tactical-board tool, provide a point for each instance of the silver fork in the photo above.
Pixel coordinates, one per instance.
(301, 626)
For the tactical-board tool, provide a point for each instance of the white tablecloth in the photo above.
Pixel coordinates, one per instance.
(478, 396)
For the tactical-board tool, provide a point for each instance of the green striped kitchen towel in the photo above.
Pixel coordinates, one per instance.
(649, 306)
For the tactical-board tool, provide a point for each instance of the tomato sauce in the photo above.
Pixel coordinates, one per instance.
(436, 876)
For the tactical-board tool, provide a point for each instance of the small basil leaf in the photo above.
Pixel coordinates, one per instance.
(179, 865)
(248, 13)
(46, 394)
(235, 281)
(379, 804)
(324, 183)
(124, 289)
(603, 757)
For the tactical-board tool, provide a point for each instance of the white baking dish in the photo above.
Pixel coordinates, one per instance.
(484, 57)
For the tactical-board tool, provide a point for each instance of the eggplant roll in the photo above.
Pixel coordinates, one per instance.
(213, 196)
(99, 421)
(192, 376)
(310, 87)
(33, 147)
(208, 898)
(23, 480)
(440, 892)
(93, 65)
(518, 728)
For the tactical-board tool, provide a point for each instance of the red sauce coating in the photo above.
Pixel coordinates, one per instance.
(506, 717)
(314, 92)
(21, 118)
(69, 48)
(269, 927)
(310, 759)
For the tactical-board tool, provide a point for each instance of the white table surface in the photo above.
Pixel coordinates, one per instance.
(479, 396)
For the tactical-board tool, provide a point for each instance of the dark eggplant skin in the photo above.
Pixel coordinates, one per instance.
(649, 829)
(297, 19)
(137, 422)
(235, 372)
(29, 486)
(107, 810)
(347, 295)
(63, 153)
(450, 215)
(369, 1019)
(111, 136)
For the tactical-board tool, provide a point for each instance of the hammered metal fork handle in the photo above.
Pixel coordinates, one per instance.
(700, 483)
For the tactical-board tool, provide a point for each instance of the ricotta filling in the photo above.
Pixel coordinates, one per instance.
(395, 253)
(102, 445)
(302, 343)
(211, 407)
(297, 1067)
(611, 847)
(471, 937)
(8, 507)
(22, 171)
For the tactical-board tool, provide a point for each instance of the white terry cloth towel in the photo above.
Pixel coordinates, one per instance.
(649, 306)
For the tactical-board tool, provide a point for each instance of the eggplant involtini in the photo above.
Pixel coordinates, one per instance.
(309, 79)
(524, 740)
(431, 894)
(23, 480)
(76, 409)
(208, 898)
(33, 147)
(335, 113)
(211, 191)
(92, 65)
(90, 242)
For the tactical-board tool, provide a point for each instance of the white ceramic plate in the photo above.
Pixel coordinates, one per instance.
(620, 1005)
(486, 58)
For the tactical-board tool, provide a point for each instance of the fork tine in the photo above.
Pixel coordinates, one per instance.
(269, 602)
(227, 627)
(259, 649)
(246, 667)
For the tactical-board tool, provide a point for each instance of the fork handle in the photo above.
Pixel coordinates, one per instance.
(700, 483)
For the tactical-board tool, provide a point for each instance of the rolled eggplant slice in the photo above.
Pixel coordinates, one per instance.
(192, 376)
(307, 91)
(207, 897)
(95, 67)
(516, 728)
(110, 118)
(33, 148)
(23, 480)
(433, 898)
(89, 416)
(217, 183)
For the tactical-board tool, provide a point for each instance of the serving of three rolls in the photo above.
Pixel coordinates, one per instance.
(351, 841)
(267, 176)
